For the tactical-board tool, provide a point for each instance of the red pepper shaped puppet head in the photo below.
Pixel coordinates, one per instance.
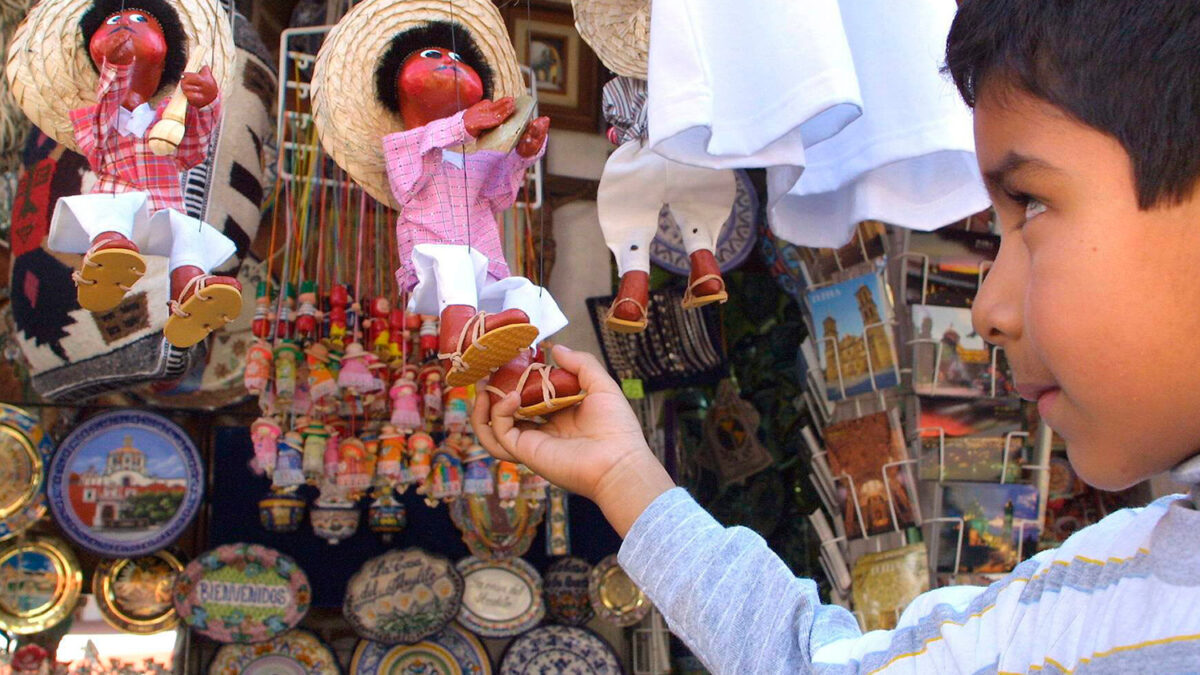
(147, 35)
(430, 72)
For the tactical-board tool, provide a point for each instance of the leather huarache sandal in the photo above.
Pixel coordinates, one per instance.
(208, 303)
(691, 301)
(618, 325)
(106, 275)
(488, 350)
(551, 401)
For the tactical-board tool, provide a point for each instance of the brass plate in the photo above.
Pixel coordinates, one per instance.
(134, 595)
(21, 471)
(615, 598)
(40, 584)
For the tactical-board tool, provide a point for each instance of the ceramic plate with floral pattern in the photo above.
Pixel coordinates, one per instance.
(564, 650)
(296, 652)
(453, 651)
(566, 587)
(403, 596)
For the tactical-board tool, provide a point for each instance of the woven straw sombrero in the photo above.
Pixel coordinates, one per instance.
(618, 31)
(350, 117)
(51, 72)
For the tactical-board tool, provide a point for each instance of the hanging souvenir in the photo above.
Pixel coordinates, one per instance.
(454, 417)
(378, 329)
(306, 314)
(370, 439)
(339, 301)
(427, 338)
(334, 516)
(566, 585)
(322, 385)
(457, 271)
(286, 356)
(533, 486)
(731, 433)
(354, 376)
(492, 530)
(41, 585)
(352, 465)
(264, 434)
(508, 482)
(296, 652)
(559, 649)
(558, 532)
(615, 598)
(430, 379)
(281, 513)
(501, 598)
(386, 516)
(258, 371)
(125, 483)
(397, 334)
(242, 593)
(453, 651)
(375, 400)
(289, 464)
(388, 470)
(333, 457)
(25, 451)
(420, 455)
(260, 323)
(406, 413)
(315, 437)
(79, 64)
(478, 472)
(445, 477)
(403, 596)
(134, 595)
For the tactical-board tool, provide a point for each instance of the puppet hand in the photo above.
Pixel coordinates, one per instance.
(118, 49)
(487, 115)
(534, 137)
(199, 88)
(595, 449)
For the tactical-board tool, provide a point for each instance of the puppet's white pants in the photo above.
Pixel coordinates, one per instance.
(635, 185)
(452, 274)
(182, 239)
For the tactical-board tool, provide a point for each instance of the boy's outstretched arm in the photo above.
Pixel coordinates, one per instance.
(722, 590)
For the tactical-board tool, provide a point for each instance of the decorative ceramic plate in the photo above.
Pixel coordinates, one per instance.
(615, 598)
(296, 652)
(25, 450)
(560, 649)
(403, 596)
(134, 595)
(492, 530)
(501, 598)
(125, 483)
(454, 651)
(566, 586)
(734, 243)
(40, 584)
(242, 593)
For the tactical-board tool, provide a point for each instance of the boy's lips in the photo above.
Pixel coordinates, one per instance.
(1032, 392)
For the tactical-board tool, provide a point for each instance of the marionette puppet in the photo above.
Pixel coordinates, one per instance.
(138, 140)
(444, 74)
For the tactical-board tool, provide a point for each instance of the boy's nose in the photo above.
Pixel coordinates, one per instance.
(996, 312)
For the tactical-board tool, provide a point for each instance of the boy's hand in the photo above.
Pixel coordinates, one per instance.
(118, 49)
(595, 449)
(487, 115)
(534, 137)
(199, 88)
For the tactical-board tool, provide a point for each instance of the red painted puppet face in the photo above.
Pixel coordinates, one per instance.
(439, 80)
(149, 44)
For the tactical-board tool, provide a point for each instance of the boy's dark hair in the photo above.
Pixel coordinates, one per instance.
(162, 11)
(442, 34)
(1128, 68)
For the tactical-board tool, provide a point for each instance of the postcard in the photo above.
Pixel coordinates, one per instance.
(951, 359)
(1000, 526)
(855, 341)
(859, 449)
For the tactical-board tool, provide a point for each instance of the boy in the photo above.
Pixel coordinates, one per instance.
(1086, 119)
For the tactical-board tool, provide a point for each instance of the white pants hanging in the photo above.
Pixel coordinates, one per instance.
(184, 240)
(633, 188)
(450, 274)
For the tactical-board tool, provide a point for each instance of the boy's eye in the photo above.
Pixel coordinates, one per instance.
(455, 56)
(137, 18)
(1033, 207)
(431, 54)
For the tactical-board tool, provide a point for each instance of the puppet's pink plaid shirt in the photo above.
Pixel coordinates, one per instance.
(438, 200)
(125, 163)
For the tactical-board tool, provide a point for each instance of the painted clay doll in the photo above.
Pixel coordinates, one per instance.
(406, 413)
(438, 86)
(138, 51)
(420, 455)
(307, 316)
(391, 455)
(265, 433)
(478, 471)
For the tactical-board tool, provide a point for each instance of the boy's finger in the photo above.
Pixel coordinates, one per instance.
(503, 423)
(482, 426)
(591, 373)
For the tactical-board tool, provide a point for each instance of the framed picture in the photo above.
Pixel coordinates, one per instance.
(566, 69)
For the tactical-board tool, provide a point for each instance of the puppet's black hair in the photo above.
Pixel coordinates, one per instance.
(433, 34)
(161, 10)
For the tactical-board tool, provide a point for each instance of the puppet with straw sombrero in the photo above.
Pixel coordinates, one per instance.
(402, 92)
(107, 79)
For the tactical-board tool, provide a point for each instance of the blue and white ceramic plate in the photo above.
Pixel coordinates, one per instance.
(734, 243)
(25, 451)
(565, 650)
(125, 483)
(453, 651)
